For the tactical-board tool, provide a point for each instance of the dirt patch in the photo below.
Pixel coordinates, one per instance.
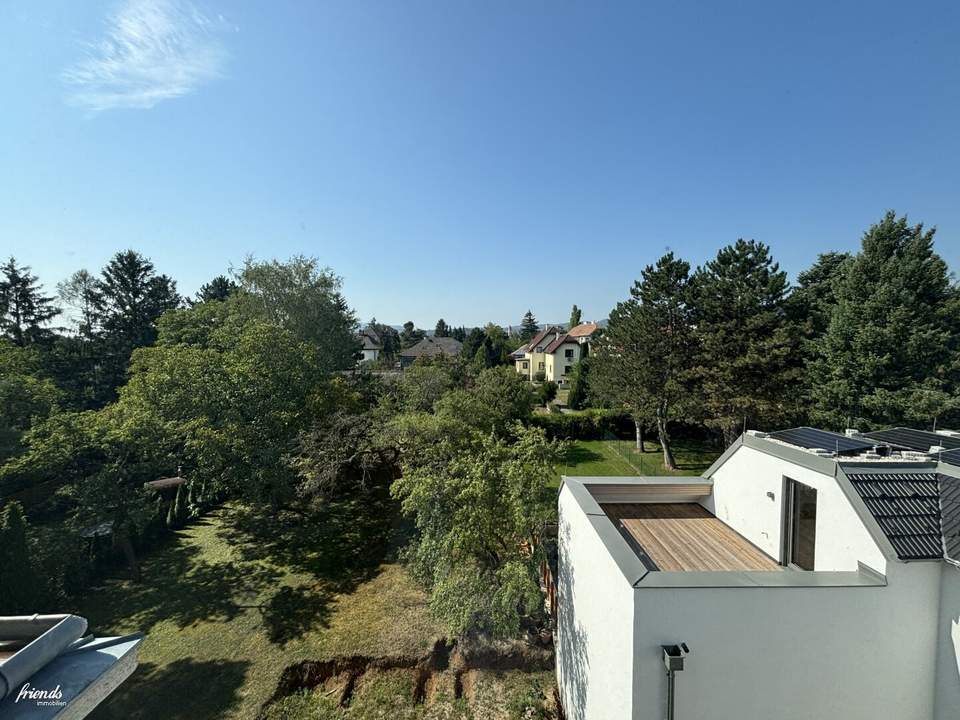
(338, 677)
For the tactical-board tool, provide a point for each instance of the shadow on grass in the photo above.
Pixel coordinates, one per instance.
(243, 558)
(578, 454)
(185, 689)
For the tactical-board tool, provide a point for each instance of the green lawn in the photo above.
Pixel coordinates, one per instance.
(240, 595)
(621, 458)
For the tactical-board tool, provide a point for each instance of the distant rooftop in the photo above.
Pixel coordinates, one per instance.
(431, 346)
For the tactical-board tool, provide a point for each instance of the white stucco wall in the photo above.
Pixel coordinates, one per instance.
(856, 653)
(594, 644)
(948, 649)
(740, 498)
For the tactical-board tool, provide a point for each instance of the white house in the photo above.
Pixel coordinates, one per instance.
(552, 354)
(811, 575)
(371, 346)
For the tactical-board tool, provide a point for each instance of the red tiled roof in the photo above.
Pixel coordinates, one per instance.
(583, 330)
(538, 339)
(558, 341)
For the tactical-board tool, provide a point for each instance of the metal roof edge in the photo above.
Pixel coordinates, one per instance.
(948, 470)
(630, 566)
(724, 456)
(863, 576)
(825, 466)
(640, 480)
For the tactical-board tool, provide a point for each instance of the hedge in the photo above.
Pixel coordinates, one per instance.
(585, 425)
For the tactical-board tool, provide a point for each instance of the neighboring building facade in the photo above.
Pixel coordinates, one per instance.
(811, 575)
(554, 352)
(372, 346)
(430, 347)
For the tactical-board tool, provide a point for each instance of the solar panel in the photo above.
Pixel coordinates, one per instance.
(921, 440)
(951, 457)
(810, 438)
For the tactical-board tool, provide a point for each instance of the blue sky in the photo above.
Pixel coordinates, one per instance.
(470, 159)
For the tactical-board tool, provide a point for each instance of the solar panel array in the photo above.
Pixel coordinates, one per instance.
(921, 440)
(951, 458)
(811, 438)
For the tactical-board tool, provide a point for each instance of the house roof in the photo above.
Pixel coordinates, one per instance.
(539, 338)
(370, 340)
(950, 516)
(557, 342)
(164, 483)
(906, 505)
(920, 440)
(583, 330)
(431, 346)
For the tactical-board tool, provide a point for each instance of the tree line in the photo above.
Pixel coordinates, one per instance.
(863, 340)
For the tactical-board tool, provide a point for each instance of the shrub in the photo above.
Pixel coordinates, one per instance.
(546, 392)
(585, 425)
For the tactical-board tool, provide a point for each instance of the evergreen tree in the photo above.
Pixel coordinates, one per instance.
(644, 358)
(459, 333)
(442, 329)
(579, 393)
(745, 340)
(812, 301)
(809, 307)
(217, 290)
(889, 354)
(575, 315)
(129, 299)
(20, 587)
(24, 309)
(529, 327)
(410, 335)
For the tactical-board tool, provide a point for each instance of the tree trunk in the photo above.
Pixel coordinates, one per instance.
(131, 556)
(668, 461)
(639, 429)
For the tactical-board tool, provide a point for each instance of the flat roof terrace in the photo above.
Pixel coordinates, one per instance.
(685, 537)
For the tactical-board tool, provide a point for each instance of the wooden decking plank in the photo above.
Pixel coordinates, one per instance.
(686, 536)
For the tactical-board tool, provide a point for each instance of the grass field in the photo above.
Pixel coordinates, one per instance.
(240, 595)
(621, 458)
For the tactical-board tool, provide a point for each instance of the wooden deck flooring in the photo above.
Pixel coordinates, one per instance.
(685, 536)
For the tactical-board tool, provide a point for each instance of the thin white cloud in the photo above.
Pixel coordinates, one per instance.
(153, 50)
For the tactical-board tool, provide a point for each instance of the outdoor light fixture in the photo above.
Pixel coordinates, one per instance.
(673, 656)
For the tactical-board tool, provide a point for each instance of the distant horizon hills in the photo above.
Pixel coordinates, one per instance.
(511, 329)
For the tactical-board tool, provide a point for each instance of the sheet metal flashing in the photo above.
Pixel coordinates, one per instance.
(804, 458)
(864, 576)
